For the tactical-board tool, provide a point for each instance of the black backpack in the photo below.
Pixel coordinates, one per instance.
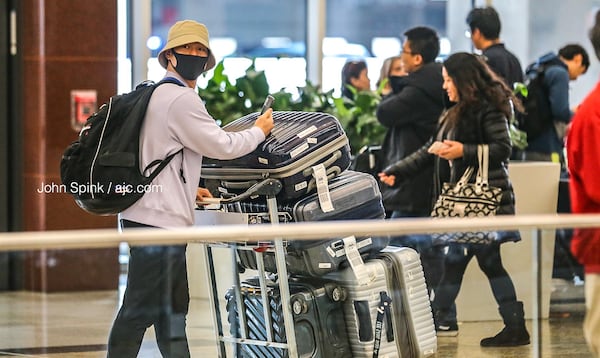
(537, 116)
(101, 169)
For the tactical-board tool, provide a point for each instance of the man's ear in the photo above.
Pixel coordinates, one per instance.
(170, 58)
(418, 60)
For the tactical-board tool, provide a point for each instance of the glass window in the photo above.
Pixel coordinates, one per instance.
(271, 31)
(372, 30)
(274, 32)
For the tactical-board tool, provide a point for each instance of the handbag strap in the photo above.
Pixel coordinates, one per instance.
(483, 156)
(464, 179)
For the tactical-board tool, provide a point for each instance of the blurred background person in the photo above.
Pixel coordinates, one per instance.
(479, 116)
(355, 74)
(583, 155)
(410, 114)
(391, 72)
(558, 69)
(484, 24)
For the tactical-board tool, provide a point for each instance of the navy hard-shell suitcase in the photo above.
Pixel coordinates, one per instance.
(351, 196)
(299, 142)
(318, 319)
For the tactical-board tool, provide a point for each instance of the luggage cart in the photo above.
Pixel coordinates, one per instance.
(268, 188)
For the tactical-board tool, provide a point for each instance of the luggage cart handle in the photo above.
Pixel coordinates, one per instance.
(268, 187)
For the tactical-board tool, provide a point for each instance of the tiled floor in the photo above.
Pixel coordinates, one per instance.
(77, 324)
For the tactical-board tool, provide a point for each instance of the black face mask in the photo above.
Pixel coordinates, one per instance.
(397, 83)
(189, 66)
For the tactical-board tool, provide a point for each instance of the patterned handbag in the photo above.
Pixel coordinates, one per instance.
(465, 199)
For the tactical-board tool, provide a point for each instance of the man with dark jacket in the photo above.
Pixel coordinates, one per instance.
(485, 26)
(411, 114)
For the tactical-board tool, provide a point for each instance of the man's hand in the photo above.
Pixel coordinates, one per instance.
(202, 193)
(265, 121)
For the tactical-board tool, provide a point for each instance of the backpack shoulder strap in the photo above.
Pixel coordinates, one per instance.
(160, 164)
(170, 80)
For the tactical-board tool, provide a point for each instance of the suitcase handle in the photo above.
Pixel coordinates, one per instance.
(237, 184)
(363, 315)
(268, 187)
(328, 163)
(332, 172)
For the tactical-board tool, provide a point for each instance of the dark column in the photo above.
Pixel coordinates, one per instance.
(65, 45)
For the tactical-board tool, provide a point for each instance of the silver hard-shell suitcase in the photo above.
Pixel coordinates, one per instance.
(395, 285)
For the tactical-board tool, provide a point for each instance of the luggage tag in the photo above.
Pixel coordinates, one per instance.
(362, 274)
(336, 248)
(320, 174)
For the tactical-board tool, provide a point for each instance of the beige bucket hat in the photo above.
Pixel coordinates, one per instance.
(185, 32)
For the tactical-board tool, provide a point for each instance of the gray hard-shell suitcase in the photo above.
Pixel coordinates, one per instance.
(393, 288)
(352, 195)
(318, 317)
(299, 142)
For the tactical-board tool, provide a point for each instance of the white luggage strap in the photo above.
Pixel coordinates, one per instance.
(320, 174)
(356, 262)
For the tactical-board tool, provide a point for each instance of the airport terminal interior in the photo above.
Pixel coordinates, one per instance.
(62, 59)
(70, 325)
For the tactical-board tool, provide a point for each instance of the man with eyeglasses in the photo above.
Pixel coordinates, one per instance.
(411, 114)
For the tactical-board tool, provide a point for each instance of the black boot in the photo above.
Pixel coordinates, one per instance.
(514, 332)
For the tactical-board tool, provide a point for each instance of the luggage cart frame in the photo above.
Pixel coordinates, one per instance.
(269, 188)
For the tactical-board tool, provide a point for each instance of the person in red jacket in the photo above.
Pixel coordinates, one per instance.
(583, 154)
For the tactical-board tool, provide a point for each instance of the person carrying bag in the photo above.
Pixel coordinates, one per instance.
(476, 122)
(465, 199)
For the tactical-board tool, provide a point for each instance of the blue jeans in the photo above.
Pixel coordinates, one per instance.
(156, 294)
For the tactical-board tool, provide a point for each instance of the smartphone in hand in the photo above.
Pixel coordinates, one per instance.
(268, 103)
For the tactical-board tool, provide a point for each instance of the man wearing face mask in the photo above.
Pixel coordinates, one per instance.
(411, 113)
(176, 122)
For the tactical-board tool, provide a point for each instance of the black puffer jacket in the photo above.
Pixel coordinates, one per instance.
(483, 125)
(411, 115)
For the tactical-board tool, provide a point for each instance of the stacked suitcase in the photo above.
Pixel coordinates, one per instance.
(333, 283)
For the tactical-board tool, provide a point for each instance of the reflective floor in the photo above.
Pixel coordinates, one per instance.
(77, 325)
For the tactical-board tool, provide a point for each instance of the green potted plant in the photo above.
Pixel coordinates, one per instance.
(517, 136)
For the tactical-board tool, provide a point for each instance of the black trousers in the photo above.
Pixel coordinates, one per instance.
(156, 294)
(455, 265)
